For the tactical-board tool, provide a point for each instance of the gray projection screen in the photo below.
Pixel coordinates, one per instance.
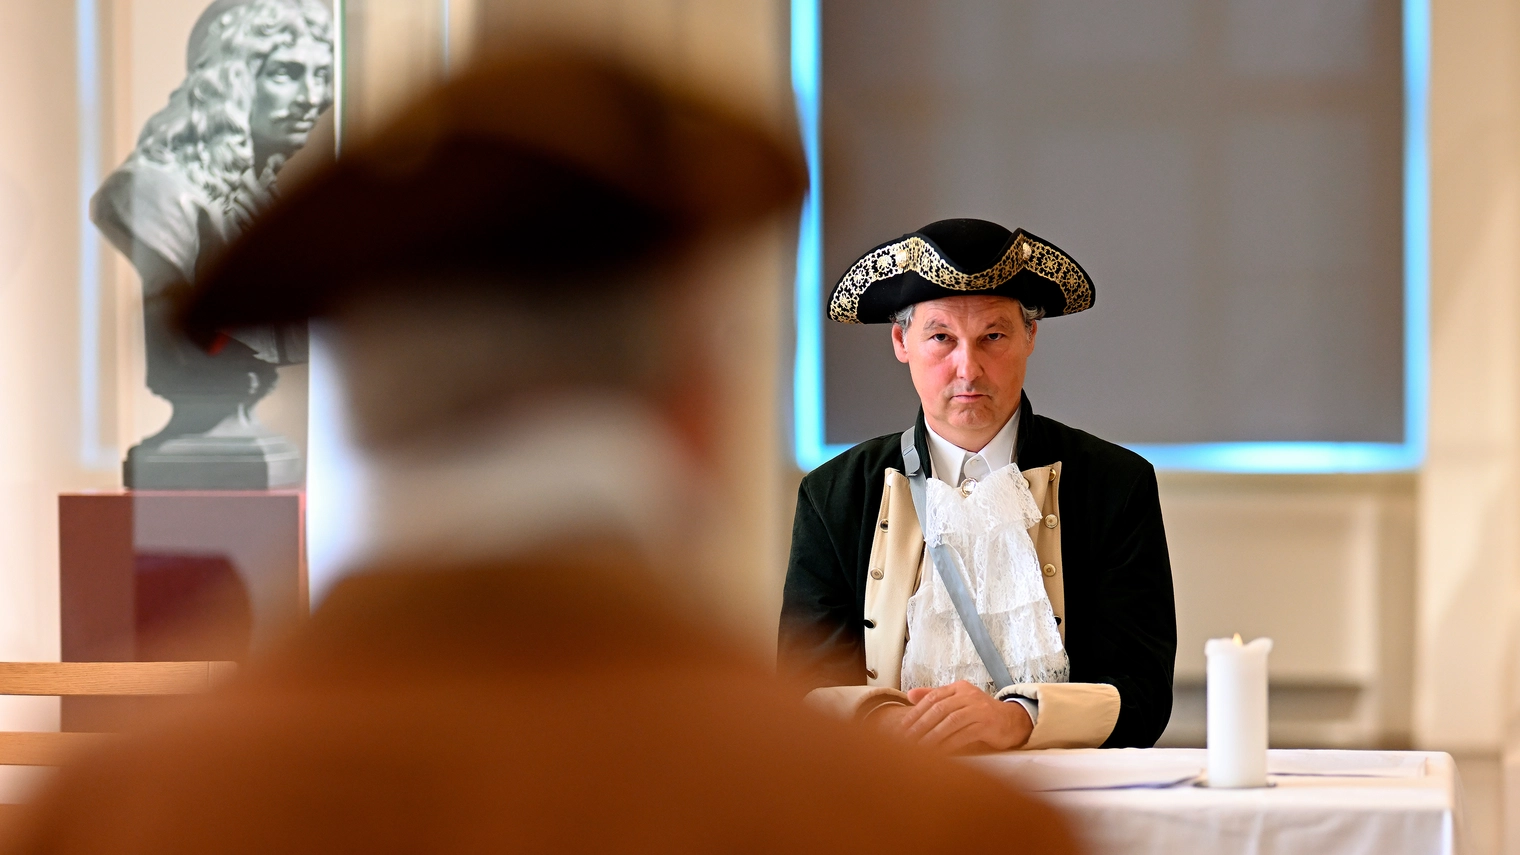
(1229, 172)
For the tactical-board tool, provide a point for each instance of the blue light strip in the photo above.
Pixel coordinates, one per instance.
(1246, 457)
(1416, 229)
(807, 378)
(92, 454)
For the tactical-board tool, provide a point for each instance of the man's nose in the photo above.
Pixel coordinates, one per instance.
(967, 365)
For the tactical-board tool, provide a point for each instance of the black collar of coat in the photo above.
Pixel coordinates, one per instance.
(1026, 419)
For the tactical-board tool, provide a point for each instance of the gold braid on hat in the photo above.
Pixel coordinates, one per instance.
(915, 254)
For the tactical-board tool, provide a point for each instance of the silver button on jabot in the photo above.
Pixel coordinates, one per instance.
(973, 470)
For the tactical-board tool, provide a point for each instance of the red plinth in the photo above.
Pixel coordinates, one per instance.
(154, 576)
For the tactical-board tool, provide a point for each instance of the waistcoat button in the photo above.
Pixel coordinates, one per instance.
(870, 624)
(871, 672)
(1050, 521)
(1049, 570)
(877, 574)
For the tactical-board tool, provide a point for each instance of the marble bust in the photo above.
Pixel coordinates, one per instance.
(258, 75)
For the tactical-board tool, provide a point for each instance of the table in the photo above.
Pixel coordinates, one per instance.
(1146, 801)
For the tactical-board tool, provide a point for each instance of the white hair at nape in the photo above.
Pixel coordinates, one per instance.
(903, 318)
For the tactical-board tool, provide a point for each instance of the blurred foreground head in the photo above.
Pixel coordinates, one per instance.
(520, 272)
(523, 274)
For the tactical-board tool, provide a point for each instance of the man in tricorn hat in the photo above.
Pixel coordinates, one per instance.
(521, 274)
(989, 578)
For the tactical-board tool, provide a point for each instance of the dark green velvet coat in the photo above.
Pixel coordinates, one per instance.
(1121, 625)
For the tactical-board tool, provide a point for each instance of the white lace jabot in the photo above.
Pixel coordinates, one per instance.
(988, 531)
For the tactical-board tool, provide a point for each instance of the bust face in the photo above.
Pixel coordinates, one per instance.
(968, 357)
(293, 87)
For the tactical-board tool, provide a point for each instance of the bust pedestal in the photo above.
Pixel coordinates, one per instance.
(212, 442)
(165, 576)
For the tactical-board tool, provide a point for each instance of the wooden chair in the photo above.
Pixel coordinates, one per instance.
(75, 679)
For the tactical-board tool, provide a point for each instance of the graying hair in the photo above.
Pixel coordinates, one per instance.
(903, 318)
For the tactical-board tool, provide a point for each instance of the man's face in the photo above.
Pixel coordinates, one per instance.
(967, 356)
(293, 87)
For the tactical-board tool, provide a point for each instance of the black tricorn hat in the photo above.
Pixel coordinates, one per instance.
(537, 171)
(958, 257)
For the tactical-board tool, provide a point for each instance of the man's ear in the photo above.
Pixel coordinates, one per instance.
(899, 343)
(1034, 330)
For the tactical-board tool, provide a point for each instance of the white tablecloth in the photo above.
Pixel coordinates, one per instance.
(1144, 801)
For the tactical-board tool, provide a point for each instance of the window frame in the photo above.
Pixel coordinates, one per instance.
(809, 437)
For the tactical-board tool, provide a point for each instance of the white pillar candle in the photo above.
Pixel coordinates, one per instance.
(1237, 711)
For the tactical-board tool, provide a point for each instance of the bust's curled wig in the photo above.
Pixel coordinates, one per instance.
(205, 130)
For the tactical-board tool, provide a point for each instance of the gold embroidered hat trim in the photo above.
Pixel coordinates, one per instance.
(913, 254)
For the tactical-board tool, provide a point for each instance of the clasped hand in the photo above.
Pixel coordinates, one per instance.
(956, 718)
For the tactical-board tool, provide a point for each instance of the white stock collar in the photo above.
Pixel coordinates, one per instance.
(947, 459)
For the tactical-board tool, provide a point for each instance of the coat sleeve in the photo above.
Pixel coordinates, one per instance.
(1071, 715)
(854, 703)
(820, 640)
(1136, 629)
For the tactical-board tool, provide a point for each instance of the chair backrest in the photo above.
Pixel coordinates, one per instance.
(66, 679)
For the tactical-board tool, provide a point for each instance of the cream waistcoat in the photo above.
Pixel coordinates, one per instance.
(898, 562)
(1072, 715)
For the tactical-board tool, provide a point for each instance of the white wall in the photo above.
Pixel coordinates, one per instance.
(1469, 486)
(1325, 566)
(40, 425)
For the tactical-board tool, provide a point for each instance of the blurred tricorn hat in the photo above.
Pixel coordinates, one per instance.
(534, 172)
(957, 257)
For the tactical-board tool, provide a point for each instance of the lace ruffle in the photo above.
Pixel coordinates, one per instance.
(988, 531)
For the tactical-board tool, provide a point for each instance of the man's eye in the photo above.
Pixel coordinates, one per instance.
(940, 337)
(995, 336)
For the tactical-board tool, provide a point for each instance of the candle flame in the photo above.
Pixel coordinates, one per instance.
(1237, 639)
